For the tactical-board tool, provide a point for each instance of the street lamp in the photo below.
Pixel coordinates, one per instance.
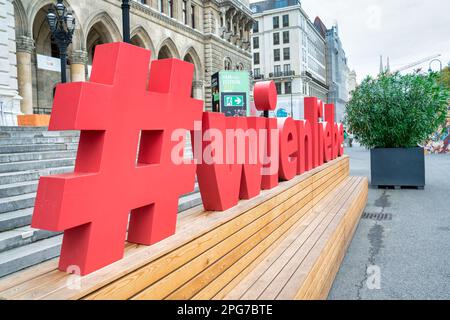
(62, 26)
(126, 21)
(431, 62)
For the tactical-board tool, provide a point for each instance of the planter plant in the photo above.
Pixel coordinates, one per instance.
(393, 115)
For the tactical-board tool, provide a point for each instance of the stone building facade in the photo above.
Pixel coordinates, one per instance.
(351, 83)
(9, 98)
(337, 68)
(211, 34)
(288, 49)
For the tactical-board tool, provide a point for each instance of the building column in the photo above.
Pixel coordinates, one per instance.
(234, 19)
(247, 38)
(189, 13)
(78, 66)
(223, 22)
(197, 87)
(9, 97)
(25, 48)
(166, 7)
(177, 10)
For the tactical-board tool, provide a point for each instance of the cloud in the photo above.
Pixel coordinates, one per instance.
(404, 30)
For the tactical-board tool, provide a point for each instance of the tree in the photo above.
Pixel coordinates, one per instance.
(397, 111)
(444, 78)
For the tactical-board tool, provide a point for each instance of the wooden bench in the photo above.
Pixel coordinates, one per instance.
(286, 243)
(304, 264)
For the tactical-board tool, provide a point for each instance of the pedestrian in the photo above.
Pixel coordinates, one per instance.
(350, 140)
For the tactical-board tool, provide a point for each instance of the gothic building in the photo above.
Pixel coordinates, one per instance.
(211, 34)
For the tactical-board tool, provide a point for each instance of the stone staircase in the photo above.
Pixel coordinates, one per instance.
(27, 153)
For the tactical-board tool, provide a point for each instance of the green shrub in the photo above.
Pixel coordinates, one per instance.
(396, 111)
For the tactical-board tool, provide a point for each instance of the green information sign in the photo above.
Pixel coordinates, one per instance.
(234, 101)
(230, 93)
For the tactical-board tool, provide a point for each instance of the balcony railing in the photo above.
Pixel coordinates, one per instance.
(310, 77)
(282, 74)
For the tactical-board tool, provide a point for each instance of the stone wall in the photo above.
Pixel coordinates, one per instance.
(9, 99)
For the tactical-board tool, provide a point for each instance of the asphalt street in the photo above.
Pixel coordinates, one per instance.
(401, 248)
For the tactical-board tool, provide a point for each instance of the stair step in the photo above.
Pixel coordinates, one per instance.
(29, 255)
(26, 148)
(36, 165)
(196, 189)
(22, 129)
(189, 201)
(15, 219)
(23, 247)
(37, 134)
(30, 175)
(22, 236)
(19, 202)
(72, 146)
(19, 218)
(68, 133)
(37, 140)
(15, 189)
(35, 156)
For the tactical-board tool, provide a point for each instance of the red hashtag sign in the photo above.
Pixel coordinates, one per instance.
(124, 176)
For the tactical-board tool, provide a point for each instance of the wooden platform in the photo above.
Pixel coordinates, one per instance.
(286, 243)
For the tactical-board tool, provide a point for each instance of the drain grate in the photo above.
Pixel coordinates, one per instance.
(377, 216)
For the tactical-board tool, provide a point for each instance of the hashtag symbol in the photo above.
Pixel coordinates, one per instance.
(124, 175)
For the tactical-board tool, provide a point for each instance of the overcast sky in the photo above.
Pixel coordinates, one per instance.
(404, 30)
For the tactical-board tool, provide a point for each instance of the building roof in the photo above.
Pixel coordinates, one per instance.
(320, 26)
(261, 6)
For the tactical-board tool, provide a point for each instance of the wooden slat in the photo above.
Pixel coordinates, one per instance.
(308, 269)
(304, 272)
(42, 284)
(334, 261)
(330, 263)
(197, 265)
(223, 283)
(322, 275)
(27, 274)
(284, 271)
(255, 278)
(196, 284)
(239, 274)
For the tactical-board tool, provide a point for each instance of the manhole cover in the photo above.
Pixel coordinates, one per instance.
(377, 216)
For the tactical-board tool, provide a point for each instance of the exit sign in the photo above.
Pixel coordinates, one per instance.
(234, 101)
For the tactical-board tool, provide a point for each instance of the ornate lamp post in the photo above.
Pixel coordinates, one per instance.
(431, 62)
(62, 26)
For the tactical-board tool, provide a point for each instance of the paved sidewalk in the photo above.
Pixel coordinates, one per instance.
(410, 249)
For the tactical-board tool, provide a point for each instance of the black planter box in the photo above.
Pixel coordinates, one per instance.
(398, 167)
